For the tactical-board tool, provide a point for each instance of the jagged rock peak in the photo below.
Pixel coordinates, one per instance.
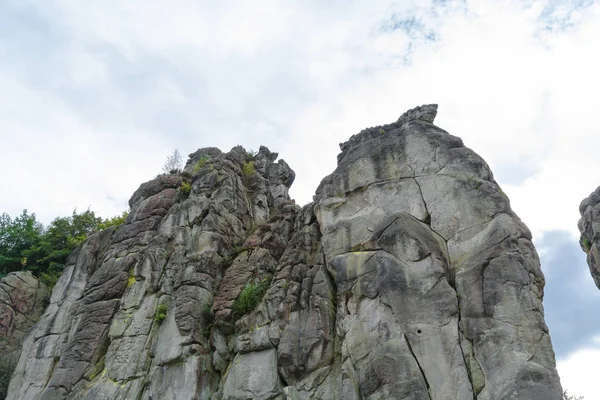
(425, 113)
(589, 226)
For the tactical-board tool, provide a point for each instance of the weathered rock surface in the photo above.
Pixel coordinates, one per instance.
(589, 226)
(408, 277)
(22, 301)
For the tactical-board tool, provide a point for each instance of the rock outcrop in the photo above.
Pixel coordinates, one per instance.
(22, 301)
(589, 226)
(407, 277)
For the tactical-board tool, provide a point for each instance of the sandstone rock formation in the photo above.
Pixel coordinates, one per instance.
(22, 301)
(408, 277)
(589, 226)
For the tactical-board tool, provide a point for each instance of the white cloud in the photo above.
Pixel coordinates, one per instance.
(55, 162)
(305, 76)
(579, 373)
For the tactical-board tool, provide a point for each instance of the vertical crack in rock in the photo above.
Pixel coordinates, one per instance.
(419, 365)
(451, 280)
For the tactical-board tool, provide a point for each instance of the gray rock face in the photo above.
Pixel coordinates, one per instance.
(589, 226)
(408, 277)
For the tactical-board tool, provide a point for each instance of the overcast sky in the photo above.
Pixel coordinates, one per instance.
(96, 94)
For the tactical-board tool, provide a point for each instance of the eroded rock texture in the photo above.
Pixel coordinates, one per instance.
(408, 277)
(22, 301)
(589, 226)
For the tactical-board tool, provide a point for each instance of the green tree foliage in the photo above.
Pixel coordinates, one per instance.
(17, 236)
(26, 244)
(61, 237)
(114, 221)
(248, 169)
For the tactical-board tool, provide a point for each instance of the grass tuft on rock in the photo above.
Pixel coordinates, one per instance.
(200, 163)
(248, 169)
(586, 244)
(250, 297)
(161, 313)
(184, 190)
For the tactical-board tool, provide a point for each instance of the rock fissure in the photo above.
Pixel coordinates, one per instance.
(414, 356)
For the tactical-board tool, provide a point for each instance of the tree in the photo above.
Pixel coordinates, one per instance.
(114, 221)
(61, 237)
(174, 163)
(16, 237)
(26, 244)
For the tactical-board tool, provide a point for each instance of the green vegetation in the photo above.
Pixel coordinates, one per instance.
(248, 169)
(17, 237)
(207, 318)
(26, 244)
(381, 131)
(200, 163)
(250, 154)
(117, 220)
(161, 313)
(51, 277)
(250, 297)
(184, 190)
(207, 315)
(585, 242)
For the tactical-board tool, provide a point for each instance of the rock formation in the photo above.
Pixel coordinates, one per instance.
(589, 226)
(408, 277)
(22, 301)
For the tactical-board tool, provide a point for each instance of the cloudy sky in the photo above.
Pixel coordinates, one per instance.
(96, 94)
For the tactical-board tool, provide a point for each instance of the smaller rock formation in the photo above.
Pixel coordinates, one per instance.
(589, 226)
(22, 302)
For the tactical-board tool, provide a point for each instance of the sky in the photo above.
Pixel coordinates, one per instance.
(96, 95)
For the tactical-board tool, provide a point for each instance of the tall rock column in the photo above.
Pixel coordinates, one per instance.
(439, 287)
